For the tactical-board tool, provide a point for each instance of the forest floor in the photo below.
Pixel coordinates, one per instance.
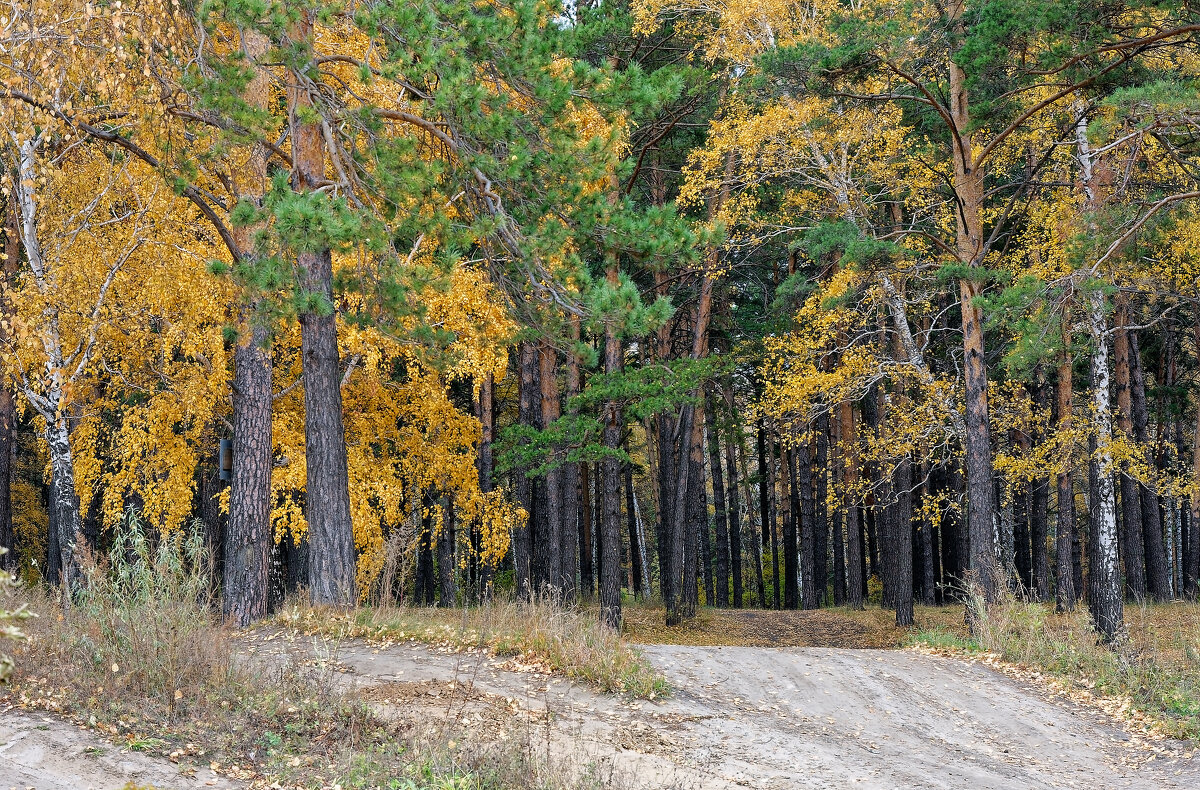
(765, 709)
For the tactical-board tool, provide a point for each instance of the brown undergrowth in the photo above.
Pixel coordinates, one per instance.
(140, 658)
(1150, 678)
(840, 627)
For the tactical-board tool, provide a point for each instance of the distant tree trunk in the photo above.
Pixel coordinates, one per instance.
(925, 530)
(753, 532)
(8, 556)
(1158, 571)
(1105, 576)
(790, 521)
(1065, 590)
(902, 546)
(1022, 555)
(821, 507)
(248, 538)
(528, 395)
(586, 574)
(1192, 572)
(488, 425)
(854, 552)
(1132, 542)
(839, 549)
(721, 564)
(447, 586)
(766, 503)
(549, 541)
(327, 500)
(1039, 509)
(697, 515)
(425, 592)
(734, 511)
(637, 583)
(800, 473)
(570, 481)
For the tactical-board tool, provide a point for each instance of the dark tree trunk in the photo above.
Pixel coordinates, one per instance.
(792, 545)
(855, 580)
(248, 538)
(667, 460)
(8, 555)
(820, 507)
(903, 548)
(1158, 571)
(327, 491)
(53, 555)
(586, 574)
(1132, 542)
(694, 571)
(766, 503)
(487, 422)
(635, 550)
(800, 473)
(1021, 495)
(734, 510)
(528, 395)
(548, 533)
(447, 568)
(610, 483)
(1039, 504)
(1065, 594)
(570, 483)
(925, 530)
(425, 591)
(720, 591)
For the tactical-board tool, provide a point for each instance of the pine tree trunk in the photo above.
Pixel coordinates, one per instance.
(586, 550)
(766, 490)
(487, 422)
(902, 544)
(1039, 510)
(925, 530)
(721, 563)
(697, 513)
(1192, 571)
(248, 537)
(969, 191)
(610, 483)
(793, 568)
(570, 482)
(1065, 594)
(734, 510)
(528, 395)
(637, 583)
(1132, 542)
(550, 521)
(800, 473)
(331, 575)
(1158, 571)
(821, 507)
(854, 551)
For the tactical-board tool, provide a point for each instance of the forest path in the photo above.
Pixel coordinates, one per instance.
(49, 753)
(773, 718)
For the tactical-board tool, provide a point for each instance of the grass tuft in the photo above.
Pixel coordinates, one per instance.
(566, 640)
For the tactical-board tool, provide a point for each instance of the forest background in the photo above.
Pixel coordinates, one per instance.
(776, 304)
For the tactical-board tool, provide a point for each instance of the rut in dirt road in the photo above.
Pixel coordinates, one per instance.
(785, 718)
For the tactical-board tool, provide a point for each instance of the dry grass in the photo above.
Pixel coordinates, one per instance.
(567, 640)
(1155, 668)
(141, 659)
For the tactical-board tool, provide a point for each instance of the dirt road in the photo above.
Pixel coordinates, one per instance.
(47, 753)
(740, 717)
(795, 717)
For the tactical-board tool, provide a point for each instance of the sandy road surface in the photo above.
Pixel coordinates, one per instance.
(47, 753)
(740, 717)
(796, 717)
